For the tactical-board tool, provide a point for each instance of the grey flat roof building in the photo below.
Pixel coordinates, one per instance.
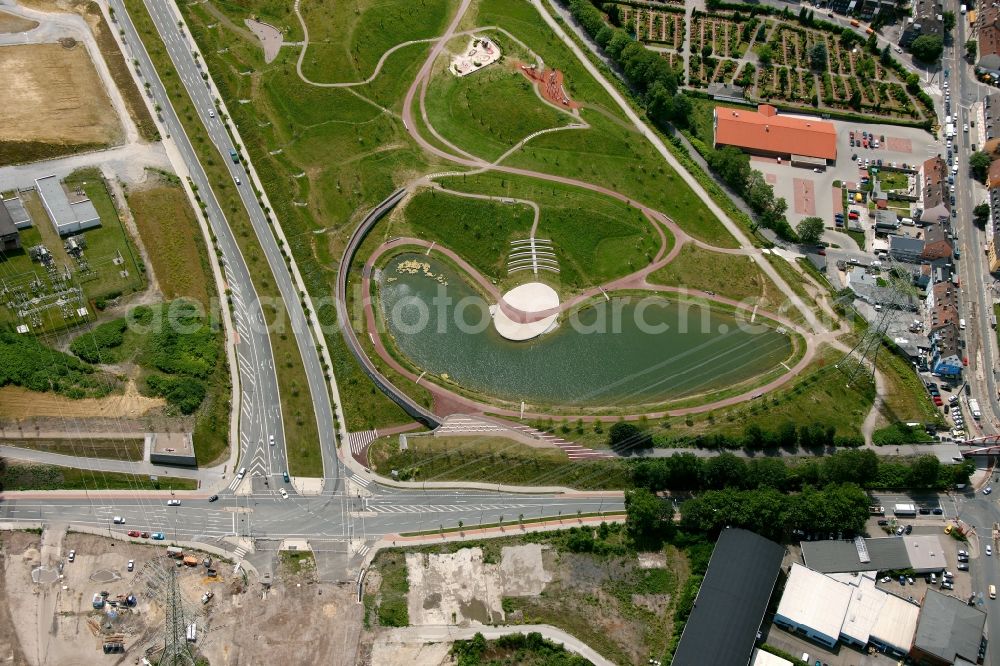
(67, 217)
(15, 208)
(948, 628)
(842, 556)
(732, 601)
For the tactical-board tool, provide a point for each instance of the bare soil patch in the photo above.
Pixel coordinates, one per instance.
(9, 23)
(19, 404)
(54, 95)
(269, 36)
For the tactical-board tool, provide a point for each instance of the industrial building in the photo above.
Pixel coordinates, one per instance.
(805, 141)
(10, 239)
(730, 606)
(18, 213)
(846, 608)
(175, 448)
(949, 630)
(923, 554)
(69, 214)
(762, 658)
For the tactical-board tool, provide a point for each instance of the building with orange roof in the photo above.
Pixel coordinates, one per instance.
(764, 132)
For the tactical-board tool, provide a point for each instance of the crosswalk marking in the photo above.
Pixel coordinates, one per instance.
(360, 480)
(360, 441)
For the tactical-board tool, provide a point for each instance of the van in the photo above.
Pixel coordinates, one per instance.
(961, 324)
(993, 591)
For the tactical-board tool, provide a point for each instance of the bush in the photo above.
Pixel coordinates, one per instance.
(96, 346)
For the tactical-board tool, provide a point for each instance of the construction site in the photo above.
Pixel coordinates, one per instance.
(71, 598)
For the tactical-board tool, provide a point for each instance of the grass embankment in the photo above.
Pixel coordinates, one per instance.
(595, 238)
(494, 460)
(18, 476)
(292, 128)
(173, 239)
(733, 276)
(298, 417)
(598, 592)
(85, 447)
(26, 362)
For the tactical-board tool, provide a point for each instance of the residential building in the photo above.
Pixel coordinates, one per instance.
(946, 353)
(936, 243)
(990, 120)
(765, 132)
(993, 253)
(69, 214)
(989, 40)
(10, 238)
(934, 193)
(942, 306)
(732, 601)
(948, 630)
(927, 19)
(904, 248)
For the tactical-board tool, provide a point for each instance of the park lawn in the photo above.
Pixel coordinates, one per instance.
(173, 239)
(619, 158)
(86, 447)
(374, 155)
(892, 180)
(494, 460)
(595, 238)
(733, 276)
(298, 417)
(465, 110)
(479, 231)
(28, 476)
(346, 39)
(794, 280)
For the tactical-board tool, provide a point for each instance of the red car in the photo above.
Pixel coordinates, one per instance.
(133, 533)
(853, 215)
(145, 535)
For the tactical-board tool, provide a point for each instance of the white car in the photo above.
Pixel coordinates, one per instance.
(131, 565)
(966, 127)
(173, 502)
(284, 495)
(211, 113)
(987, 490)
(989, 549)
(271, 437)
(71, 556)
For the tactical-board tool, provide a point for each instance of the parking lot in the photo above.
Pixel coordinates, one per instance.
(809, 193)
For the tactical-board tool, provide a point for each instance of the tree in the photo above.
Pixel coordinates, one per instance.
(885, 57)
(927, 48)
(732, 165)
(627, 435)
(979, 164)
(810, 229)
(924, 472)
(948, 18)
(724, 471)
(981, 214)
(855, 100)
(765, 54)
(817, 56)
(971, 47)
(648, 519)
(706, 51)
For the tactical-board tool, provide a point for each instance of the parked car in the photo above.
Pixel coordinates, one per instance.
(158, 536)
(173, 502)
(963, 566)
(900, 530)
(133, 533)
(909, 528)
(883, 522)
(145, 535)
(989, 550)
(937, 511)
(987, 490)
(886, 579)
(924, 511)
(131, 565)
(945, 585)
(71, 556)
(909, 579)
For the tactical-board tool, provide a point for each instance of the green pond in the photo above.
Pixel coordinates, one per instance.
(629, 351)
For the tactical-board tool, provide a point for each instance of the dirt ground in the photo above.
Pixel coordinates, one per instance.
(10, 23)
(389, 650)
(19, 403)
(53, 94)
(55, 624)
(461, 587)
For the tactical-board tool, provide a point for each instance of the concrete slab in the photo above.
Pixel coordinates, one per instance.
(530, 297)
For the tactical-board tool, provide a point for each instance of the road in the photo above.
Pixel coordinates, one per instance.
(976, 299)
(261, 410)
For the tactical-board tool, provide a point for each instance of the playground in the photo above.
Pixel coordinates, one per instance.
(550, 85)
(480, 53)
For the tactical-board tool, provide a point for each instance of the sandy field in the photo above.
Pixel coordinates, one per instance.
(10, 23)
(53, 94)
(18, 403)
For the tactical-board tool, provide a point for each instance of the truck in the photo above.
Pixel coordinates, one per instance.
(905, 510)
(876, 510)
(191, 561)
(97, 601)
(974, 408)
(175, 552)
